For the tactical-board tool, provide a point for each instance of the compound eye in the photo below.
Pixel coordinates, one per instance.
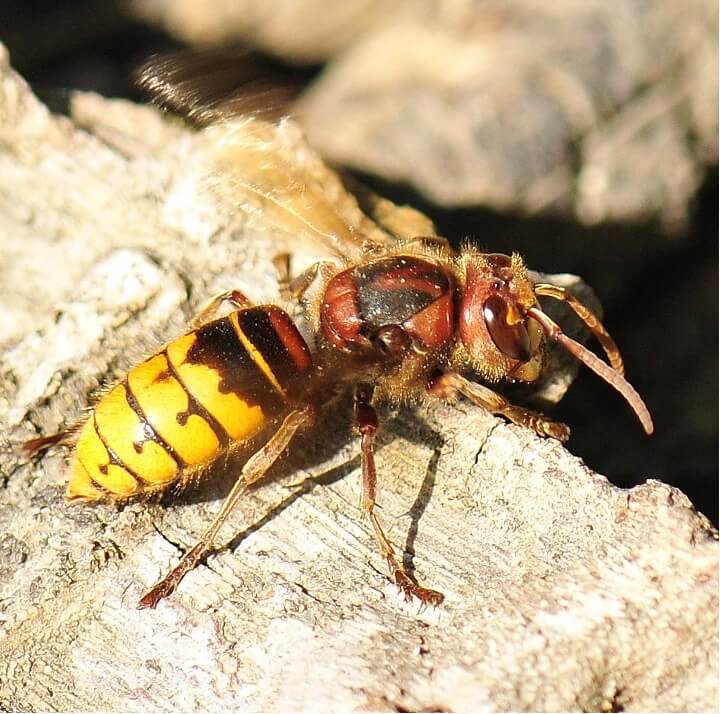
(511, 340)
(392, 340)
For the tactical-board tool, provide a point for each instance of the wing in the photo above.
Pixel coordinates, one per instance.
(270, 170)
(263, 163)
(213, 85)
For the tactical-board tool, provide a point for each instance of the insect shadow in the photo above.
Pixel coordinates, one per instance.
(318, 446)
(412, 427)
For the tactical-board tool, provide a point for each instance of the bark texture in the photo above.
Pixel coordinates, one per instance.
(562, 591)
(599, 111)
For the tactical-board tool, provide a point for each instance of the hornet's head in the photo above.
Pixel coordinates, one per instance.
(494, 327)
(502, 327)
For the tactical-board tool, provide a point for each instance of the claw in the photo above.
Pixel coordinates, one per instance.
(411, 590)
(556, 430)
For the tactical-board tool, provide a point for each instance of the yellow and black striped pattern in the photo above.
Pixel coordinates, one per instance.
(181, 408)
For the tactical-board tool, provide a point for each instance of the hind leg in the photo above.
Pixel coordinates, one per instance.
(207, 312)
(255, 468)
(32, 447)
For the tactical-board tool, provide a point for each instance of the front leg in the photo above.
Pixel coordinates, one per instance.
(367, 422)
(447, 387)
(294, 289)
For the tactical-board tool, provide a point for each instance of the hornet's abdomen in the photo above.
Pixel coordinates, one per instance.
(217, 385)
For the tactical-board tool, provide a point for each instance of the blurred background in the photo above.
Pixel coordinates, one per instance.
(582, 134)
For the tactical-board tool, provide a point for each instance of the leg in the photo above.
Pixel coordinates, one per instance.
(282, 267)
(367, 423)
(235, 297)
(255, 468)
(293, 289)
(449, 385)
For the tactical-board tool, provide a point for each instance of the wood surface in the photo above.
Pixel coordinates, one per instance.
(563, 592)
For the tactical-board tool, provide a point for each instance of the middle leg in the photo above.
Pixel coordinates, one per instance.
(367, 423)
(294, 289)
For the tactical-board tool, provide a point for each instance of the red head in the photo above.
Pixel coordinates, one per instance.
(494, 329)
(501, 327)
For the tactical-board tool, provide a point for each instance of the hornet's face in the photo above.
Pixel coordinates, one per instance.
(500, 338)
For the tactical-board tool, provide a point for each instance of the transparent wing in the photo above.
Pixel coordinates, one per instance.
(269, 169)
(260, 159)
(213, 85)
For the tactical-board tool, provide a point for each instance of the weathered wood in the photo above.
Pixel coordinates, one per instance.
(563, 592)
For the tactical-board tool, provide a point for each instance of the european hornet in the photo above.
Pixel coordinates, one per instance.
(395, 313)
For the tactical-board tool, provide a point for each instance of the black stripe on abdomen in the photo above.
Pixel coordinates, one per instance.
(218, 347)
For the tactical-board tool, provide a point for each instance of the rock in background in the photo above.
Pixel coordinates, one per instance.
(602, 111)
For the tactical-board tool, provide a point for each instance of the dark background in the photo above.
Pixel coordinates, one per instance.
(660, 294)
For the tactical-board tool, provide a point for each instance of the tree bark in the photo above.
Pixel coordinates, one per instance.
(563, 592)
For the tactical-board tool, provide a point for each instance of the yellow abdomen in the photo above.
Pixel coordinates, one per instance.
(216, 386)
